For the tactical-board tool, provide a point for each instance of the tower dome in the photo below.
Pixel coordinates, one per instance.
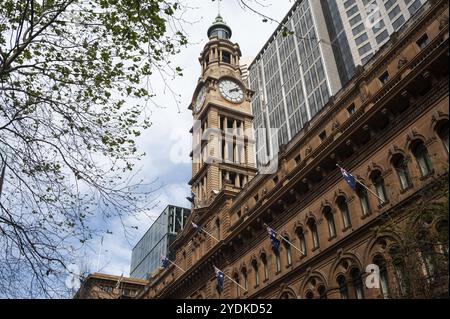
(219, 29)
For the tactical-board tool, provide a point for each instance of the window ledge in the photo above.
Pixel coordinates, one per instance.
(316, 248)
(366, 215)
(331, 238)
(431, 173)
(347, 228)
(380, 206)
(407, 189)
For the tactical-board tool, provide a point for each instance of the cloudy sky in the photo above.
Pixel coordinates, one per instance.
(167, 143)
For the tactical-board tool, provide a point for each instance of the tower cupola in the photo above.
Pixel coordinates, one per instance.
(219, 29)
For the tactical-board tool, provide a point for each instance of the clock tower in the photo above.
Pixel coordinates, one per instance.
(223, 154)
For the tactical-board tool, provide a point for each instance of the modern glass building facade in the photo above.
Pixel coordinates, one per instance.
(367, 24)
(146, 255)
(294, 76)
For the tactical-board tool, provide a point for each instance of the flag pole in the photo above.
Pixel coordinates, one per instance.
(231, 279)
(210, 235)
(175, 265)
(199, 228)
(287, 241)
(367, 188)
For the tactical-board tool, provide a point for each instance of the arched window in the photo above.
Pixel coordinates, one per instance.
(265, 266)
(245, 278)
(226, 57)
(256, 271)
(401, 167)
(218, 229)
(420, 152)
(427, 254)
(363, 199)
(343, 207)
(288, 251)
(443, 134)
(322, 292)
(330, 221)
(302, 240)
(399, 269)
(357, 283)
(343, 290)
(383, 275)
(277, 261)
(238, 289)
(314, 234)
(378, 181)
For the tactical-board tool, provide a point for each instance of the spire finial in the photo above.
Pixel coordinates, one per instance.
(218, 7)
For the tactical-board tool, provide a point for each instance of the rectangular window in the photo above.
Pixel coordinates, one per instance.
(323, 135)
(349, 3)
(364, 49)
(355, 20)
(357, 30)
(378, 26)
(414, 7)
(352, 11)
(361, 39)
(392, 14)
(398, 23)
(366, 58)
(388, 4)
(382, 37)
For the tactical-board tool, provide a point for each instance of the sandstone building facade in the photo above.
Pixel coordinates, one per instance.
(388, 126)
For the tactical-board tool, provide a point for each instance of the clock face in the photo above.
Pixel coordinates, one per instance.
(231, 91)
(201, 96)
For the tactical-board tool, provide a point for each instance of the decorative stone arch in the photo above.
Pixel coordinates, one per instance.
(243, 266)
(286, 234)
(287, 293)
(437, 118)
(262, 252)
(413, 136)
(351, 259)
(297, 226)
(395, 150)
(372, 167)
(372, 249)
(310, 216)
(340, 193)
(308, 283)
(325, 203)
(255, 259)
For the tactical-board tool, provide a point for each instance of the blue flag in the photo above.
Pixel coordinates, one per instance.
(273, 239)
(165, 261)
(220, 276)
(349, 178)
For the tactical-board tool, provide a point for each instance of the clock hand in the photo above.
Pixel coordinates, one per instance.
(234, 90)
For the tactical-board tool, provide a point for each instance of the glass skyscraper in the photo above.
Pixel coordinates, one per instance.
(294, 76)
(367, 24)
(146, 255)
